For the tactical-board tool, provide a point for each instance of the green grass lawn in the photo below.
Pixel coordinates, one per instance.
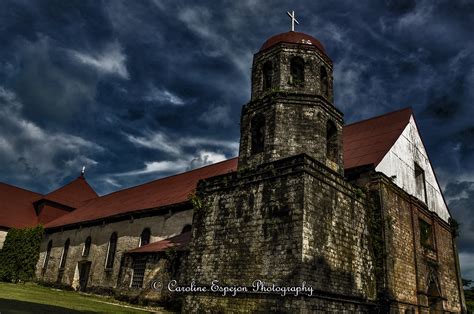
(32, 298)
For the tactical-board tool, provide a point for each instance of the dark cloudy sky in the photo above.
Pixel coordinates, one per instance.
(136, 90)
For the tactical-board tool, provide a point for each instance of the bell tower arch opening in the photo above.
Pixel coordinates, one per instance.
(297, 71)
(257, 134)
(267, 74)
(324, 81)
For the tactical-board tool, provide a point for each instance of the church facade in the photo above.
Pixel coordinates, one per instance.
(353, 211)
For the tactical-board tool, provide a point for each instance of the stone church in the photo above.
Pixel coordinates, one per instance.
(353, 211)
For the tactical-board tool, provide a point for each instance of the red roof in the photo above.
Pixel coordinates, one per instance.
(176, 242)
(367, 142)
(167, 191)
(293, 38)
(73, 194)
(16, 207)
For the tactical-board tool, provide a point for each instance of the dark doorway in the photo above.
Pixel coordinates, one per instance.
(84, 270)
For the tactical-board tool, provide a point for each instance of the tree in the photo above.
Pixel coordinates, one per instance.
(466, 282)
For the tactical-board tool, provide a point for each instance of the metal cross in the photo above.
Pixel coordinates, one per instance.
(293, 20)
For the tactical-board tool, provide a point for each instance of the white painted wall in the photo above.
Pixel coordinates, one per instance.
(400, 162)
(3, 235)
(128, 232)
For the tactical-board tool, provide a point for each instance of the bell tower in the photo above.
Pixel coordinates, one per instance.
(287, 216)
(291, 109)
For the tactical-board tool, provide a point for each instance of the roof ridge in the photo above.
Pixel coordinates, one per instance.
(70, 183)
(62, 186)
(381, 116)
(170, 176)
(81, 177)
(20, 188)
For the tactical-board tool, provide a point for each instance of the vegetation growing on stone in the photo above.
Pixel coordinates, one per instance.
(454, 227)
(196, 201)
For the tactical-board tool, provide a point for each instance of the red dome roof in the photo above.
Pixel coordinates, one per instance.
(293, 38)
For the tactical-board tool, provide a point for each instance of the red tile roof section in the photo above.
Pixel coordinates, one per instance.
(367, 142)
(49, 212)
(16, 209)
(73, 194)
(176, 242)
(167, 191)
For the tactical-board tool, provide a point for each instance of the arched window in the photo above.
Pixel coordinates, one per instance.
(145, 237)
(186, 228)
(331, 141)
(324, 81)
(62, 264)
(109, 262)
(296, 70)
(257, 126)
(267, 72)
(87, 247)
(48, 254)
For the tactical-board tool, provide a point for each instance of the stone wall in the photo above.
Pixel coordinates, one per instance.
(409, 265)
(337, 252)
(161, 268)
(449, 272)
(285, 222)
(128, 231)
(294, 124)
(252, 303)
(249, 227)
(155, 266)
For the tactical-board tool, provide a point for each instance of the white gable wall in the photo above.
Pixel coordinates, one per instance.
(400, 162)
(3, 235)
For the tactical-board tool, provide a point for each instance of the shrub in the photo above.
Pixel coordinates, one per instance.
(469, 295)
(20, 254)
